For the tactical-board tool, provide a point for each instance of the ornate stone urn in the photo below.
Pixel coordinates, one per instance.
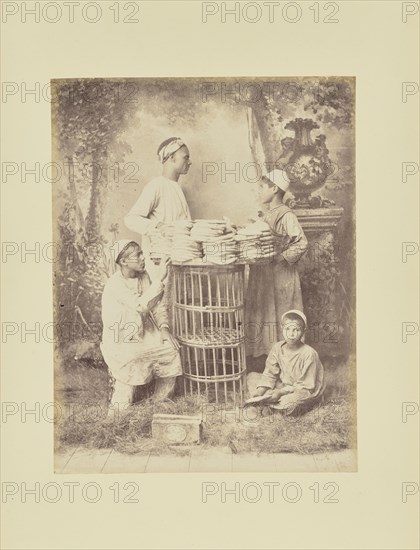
(306, 163)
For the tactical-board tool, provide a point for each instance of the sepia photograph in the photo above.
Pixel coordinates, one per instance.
(210, 266)
(204, 288)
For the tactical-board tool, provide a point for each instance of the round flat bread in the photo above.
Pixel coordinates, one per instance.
(257, 399)
(210, 221)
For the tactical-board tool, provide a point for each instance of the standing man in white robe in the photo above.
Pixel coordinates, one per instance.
(162, 200)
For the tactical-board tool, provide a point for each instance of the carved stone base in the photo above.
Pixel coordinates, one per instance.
(322, 290)
(312, 202)
(318, 220)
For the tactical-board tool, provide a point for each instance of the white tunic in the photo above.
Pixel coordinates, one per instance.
(131, 343)
(162, 200)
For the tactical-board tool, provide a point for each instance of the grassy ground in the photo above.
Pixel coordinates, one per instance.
(83, 392)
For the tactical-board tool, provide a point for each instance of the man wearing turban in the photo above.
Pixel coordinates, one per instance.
(162, 201)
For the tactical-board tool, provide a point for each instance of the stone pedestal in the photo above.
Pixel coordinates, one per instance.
(319, 273)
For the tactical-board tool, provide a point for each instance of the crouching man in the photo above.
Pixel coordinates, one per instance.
(136, 343)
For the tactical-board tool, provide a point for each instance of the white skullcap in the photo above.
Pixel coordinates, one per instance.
(279, 178)
(120, 246)
(169, 149)
(298, 313)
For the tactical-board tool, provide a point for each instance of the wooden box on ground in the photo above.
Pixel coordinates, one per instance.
(173, 428)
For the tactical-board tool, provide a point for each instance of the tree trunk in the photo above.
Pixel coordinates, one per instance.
(94, 220)
(73, 192)
(270, 133)
(255, 140)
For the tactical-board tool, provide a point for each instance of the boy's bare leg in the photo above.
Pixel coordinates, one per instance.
(121, 398)
(252, 380)
(164, 388)
(169, 297)
(296, 403)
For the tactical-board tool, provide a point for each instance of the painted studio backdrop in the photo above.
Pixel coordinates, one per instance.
(105, 139)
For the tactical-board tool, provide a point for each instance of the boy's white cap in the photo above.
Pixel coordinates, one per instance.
(298, 313)
(119, 246)
(279, 178)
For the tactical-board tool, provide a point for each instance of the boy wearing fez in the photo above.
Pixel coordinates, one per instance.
(136, 342)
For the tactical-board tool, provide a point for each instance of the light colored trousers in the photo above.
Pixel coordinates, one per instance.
(292, 403)
(123, 393)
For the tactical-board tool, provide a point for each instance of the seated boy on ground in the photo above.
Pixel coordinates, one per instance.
(293, 379)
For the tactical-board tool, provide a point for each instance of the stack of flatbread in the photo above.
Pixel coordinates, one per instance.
(184, 247)
(160, 245)
(217, 236)
(212, 242)
(222, 251)
(255, 242)
(207, 230)
(161, 240)
(179, 227)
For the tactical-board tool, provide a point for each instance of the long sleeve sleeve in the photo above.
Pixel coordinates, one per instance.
(138, 219)
(311, 376)
(136, 301)
(271, 372)
(160, 314)
(154, 290)
(121, 314)
(298, 243)
(114, 294)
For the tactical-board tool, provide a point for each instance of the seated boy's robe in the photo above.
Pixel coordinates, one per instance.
(274, 288)
(131, 340)
(299, 370)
